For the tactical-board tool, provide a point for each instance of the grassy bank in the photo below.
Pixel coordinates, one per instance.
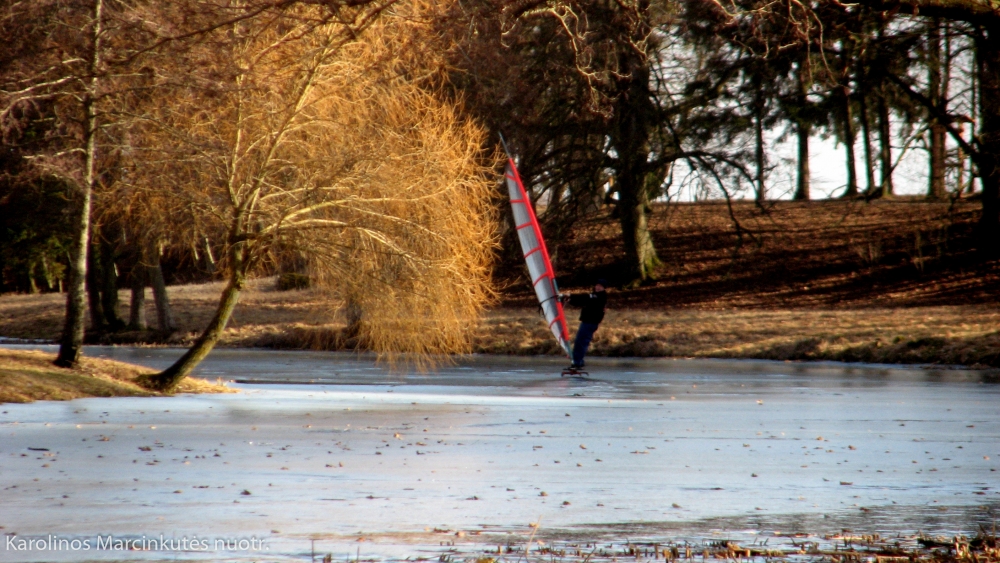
(957, 335)
(893, 281)
(27, 376)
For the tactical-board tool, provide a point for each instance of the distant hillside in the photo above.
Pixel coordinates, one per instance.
(819, 254)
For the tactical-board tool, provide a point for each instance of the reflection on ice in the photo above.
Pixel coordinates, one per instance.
(332, 447)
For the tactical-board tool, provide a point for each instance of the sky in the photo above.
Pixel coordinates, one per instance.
(829, 169)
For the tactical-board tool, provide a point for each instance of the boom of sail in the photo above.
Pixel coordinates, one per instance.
(543, 278)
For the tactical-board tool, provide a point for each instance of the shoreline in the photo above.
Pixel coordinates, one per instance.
(483, 352)
(554, 358)
(28, 375)
(124, 363)
(944, 337)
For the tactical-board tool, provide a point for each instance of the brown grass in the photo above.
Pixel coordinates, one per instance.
(809, 286)
(262, 312)
(955, 335)
(27, 376)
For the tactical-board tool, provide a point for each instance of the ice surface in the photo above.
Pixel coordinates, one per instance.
(331, 447)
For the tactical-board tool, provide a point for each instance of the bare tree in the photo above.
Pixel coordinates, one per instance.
(57, 62)
(291, 130)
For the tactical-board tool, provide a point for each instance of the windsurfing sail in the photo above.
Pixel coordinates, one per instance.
(543, 278)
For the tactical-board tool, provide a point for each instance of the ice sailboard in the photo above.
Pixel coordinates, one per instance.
(543, 278)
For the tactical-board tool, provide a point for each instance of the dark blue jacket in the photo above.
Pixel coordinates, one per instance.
(593, 305)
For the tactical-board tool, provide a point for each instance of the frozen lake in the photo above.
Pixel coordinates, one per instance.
(332, 449)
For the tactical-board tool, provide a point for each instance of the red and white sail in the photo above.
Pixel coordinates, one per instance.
(537, 257)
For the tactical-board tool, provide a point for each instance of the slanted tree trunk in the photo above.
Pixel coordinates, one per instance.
(168, 379)
(51, 281)
(71, 341)
(208, 259)
(936, 189)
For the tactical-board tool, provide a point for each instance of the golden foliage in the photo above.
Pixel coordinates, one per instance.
(296, 136)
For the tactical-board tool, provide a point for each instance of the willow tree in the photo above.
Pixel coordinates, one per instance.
(290, 134)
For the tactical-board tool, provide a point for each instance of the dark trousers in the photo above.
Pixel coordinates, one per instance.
(583, 337)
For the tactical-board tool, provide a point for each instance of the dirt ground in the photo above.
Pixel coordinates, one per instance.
(820, 254)
(889, 281)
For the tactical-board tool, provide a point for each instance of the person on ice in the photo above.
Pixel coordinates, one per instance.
(591, 315)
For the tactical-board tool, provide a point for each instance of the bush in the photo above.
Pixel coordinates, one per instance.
(291, 280)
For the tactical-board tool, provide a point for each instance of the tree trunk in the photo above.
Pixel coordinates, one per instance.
(885, 144)
(98, 322)
(974, 83)
(847, 127)
(870, 188)
(71, 341)
(936, 188)
(209, 260)
(630, 138)
(802, 185)
(803, 130)
(640, 253)
(164, 314)
(988, 59)
(354, 315)
(32, 284)
(51, 281)
(168, 379)
(109, 285)
(759, 159)
(137, 307)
